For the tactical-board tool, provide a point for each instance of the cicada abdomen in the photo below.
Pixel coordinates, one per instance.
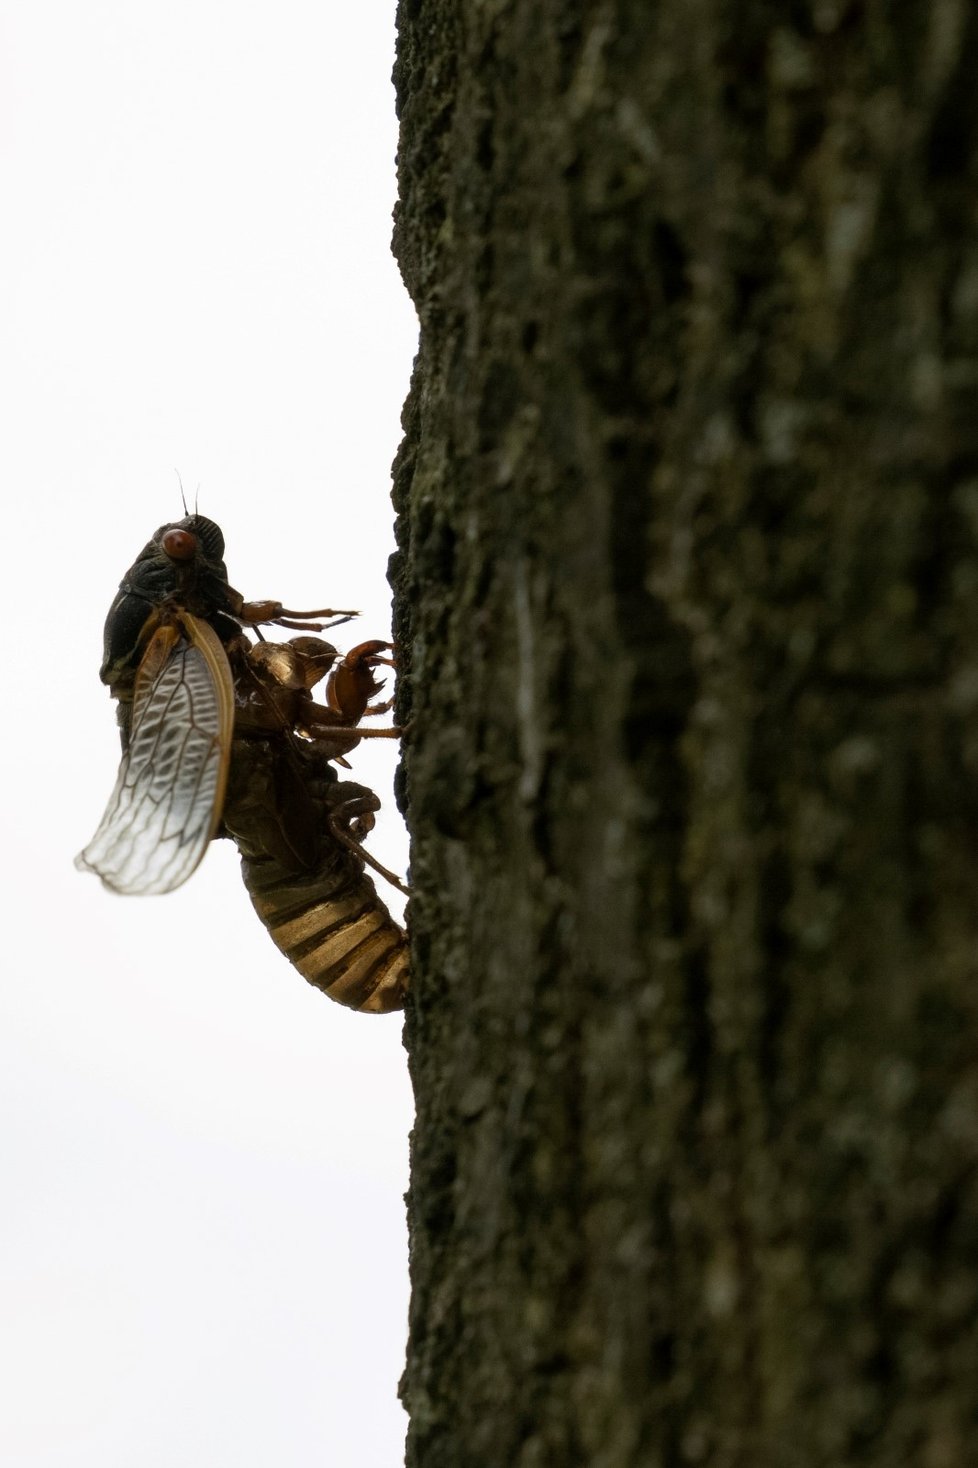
(298, 829)
(331, 924)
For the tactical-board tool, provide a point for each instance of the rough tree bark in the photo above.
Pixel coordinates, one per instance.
(687, 591)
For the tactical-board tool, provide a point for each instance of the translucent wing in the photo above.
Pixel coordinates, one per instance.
(169, 795)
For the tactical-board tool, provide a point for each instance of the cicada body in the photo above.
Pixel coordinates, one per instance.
(223, 737)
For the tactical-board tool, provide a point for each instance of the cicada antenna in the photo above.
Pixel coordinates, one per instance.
(183, 497)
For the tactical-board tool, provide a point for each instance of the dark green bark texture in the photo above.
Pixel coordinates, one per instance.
(687, 598)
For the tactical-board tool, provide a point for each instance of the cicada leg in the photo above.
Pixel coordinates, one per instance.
(253, 613)
(351, 820)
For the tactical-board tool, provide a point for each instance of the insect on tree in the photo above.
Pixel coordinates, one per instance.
(222, 736)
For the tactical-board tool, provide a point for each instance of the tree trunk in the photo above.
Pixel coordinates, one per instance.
(687, 596)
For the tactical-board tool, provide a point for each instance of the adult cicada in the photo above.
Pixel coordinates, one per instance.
(222, 736)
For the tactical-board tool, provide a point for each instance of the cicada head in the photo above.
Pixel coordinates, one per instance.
(181, 566)
(184, 559)
(209, 534)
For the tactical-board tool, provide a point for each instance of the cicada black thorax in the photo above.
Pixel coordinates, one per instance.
(285, 811)
(181, 569)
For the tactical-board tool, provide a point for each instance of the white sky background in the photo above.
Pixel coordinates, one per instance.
(202, 1239)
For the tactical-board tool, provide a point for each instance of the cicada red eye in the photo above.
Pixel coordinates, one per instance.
(179, 545)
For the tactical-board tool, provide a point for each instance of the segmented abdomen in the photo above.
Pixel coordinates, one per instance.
(331, 924)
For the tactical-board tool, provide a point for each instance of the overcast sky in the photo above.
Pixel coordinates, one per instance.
(202, 1240)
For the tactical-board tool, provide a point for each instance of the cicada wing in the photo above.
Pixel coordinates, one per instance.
(169, 794)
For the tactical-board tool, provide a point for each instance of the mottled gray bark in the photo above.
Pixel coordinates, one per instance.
(688, 601)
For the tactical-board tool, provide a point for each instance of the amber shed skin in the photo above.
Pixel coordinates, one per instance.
(298, 829)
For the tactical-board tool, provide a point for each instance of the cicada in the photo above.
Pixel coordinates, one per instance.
(222, 736)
